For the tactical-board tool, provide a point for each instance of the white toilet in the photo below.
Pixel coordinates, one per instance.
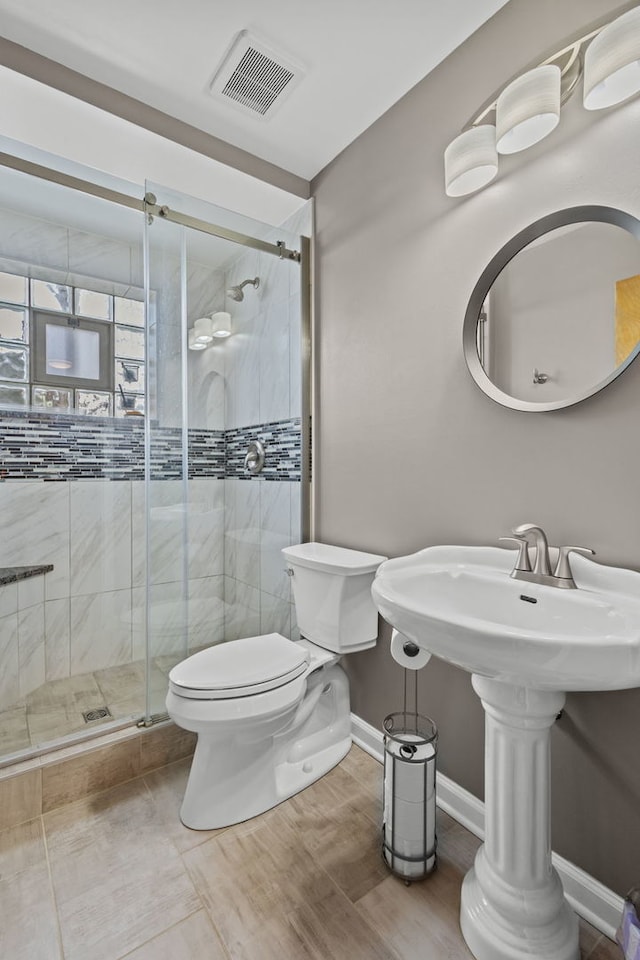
(272, 715)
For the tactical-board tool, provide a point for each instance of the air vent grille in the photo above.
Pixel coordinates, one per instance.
(255, 77)
(257, 81)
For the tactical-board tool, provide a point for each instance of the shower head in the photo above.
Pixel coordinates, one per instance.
(237, 293)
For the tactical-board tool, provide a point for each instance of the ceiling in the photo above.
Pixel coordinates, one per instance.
(357, 58)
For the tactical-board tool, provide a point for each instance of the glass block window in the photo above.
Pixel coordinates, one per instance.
(13, 395)
(94, 402)
(51, 296)
(130, 405)
(130, 375)
(91, 304)
(65, 349)
(13, 289)
(128, 311)
(129, 343)
(14, 323)
(14, 362)
(53, 399)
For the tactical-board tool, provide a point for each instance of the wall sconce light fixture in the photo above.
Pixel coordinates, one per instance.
(206, 330)
(202, 330)
(528, 108)
(195, 343)
(221, 324)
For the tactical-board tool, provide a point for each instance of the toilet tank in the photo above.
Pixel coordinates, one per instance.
(332, 594)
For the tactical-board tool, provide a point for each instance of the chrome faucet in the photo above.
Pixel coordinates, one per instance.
(530, 535)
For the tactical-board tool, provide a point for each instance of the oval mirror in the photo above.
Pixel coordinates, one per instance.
(555, 316)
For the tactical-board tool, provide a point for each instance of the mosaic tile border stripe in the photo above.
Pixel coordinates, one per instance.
(36, 446)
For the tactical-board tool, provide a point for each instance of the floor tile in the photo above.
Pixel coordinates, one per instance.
(167, 785)
(55, 709)
(28, 925)
(343, 841)
(124, 687)
(364, 768)
(604, 949)
(191, 939)
(327, 926)
(254, 873)
(589, 937)
(122, 682)
(118, 880)
(416, 921)
(21, 847)
(335, 788)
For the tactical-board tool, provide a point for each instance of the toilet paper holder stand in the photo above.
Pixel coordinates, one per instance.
(410, 746)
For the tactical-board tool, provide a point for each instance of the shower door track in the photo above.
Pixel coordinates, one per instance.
(147, 206)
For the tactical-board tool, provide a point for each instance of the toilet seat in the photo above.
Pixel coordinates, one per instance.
(239, 668)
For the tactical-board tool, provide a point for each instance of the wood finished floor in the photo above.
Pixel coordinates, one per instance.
(116, 875)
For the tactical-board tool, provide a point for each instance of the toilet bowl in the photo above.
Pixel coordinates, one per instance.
(272, 714)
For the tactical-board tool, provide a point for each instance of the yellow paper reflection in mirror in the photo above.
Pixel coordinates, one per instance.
(627, 317)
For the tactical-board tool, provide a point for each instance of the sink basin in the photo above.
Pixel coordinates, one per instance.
(461, 604)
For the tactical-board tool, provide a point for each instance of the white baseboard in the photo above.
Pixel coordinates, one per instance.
(588, 897)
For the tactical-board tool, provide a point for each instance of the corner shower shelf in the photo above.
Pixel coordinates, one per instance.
(13, 574)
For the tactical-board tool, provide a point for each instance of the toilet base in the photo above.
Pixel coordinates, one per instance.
(291, 778)
(245, 771)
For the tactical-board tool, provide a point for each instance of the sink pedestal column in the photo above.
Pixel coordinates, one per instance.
(513, 906)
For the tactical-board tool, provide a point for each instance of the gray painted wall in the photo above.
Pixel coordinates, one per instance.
(410, 453)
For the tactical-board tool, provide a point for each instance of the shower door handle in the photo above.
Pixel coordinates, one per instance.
(254, 459)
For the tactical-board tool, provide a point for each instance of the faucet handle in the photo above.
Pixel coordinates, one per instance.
(563, 567)
(523, 562)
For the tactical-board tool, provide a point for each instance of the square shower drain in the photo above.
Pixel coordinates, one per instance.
(98, 714)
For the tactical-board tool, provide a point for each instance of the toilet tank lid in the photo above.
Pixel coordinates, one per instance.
(330, 559)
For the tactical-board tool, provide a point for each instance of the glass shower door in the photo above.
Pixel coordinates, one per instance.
(215, 529)
(163, 600)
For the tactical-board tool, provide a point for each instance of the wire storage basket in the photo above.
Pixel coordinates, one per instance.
(409, 805)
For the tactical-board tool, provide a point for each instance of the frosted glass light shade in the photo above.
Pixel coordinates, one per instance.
(195, 343)
(528, 109)
(221, 324)
(202, 330)
(612, 63)
(470, 161)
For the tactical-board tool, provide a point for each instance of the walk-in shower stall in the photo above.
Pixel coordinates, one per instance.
(154, 442)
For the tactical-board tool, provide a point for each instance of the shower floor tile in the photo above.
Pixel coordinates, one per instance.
(56, 708)
(119, 876)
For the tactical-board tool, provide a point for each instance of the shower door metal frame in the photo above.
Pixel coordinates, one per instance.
(147, 205)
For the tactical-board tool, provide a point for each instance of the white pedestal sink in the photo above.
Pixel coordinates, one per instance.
(525, 645)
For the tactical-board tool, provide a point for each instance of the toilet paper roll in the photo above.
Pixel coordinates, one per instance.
(409, 660)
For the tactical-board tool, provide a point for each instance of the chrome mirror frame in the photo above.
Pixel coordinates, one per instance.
(583, 214)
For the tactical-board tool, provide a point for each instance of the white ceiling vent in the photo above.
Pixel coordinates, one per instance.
(255, 77)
